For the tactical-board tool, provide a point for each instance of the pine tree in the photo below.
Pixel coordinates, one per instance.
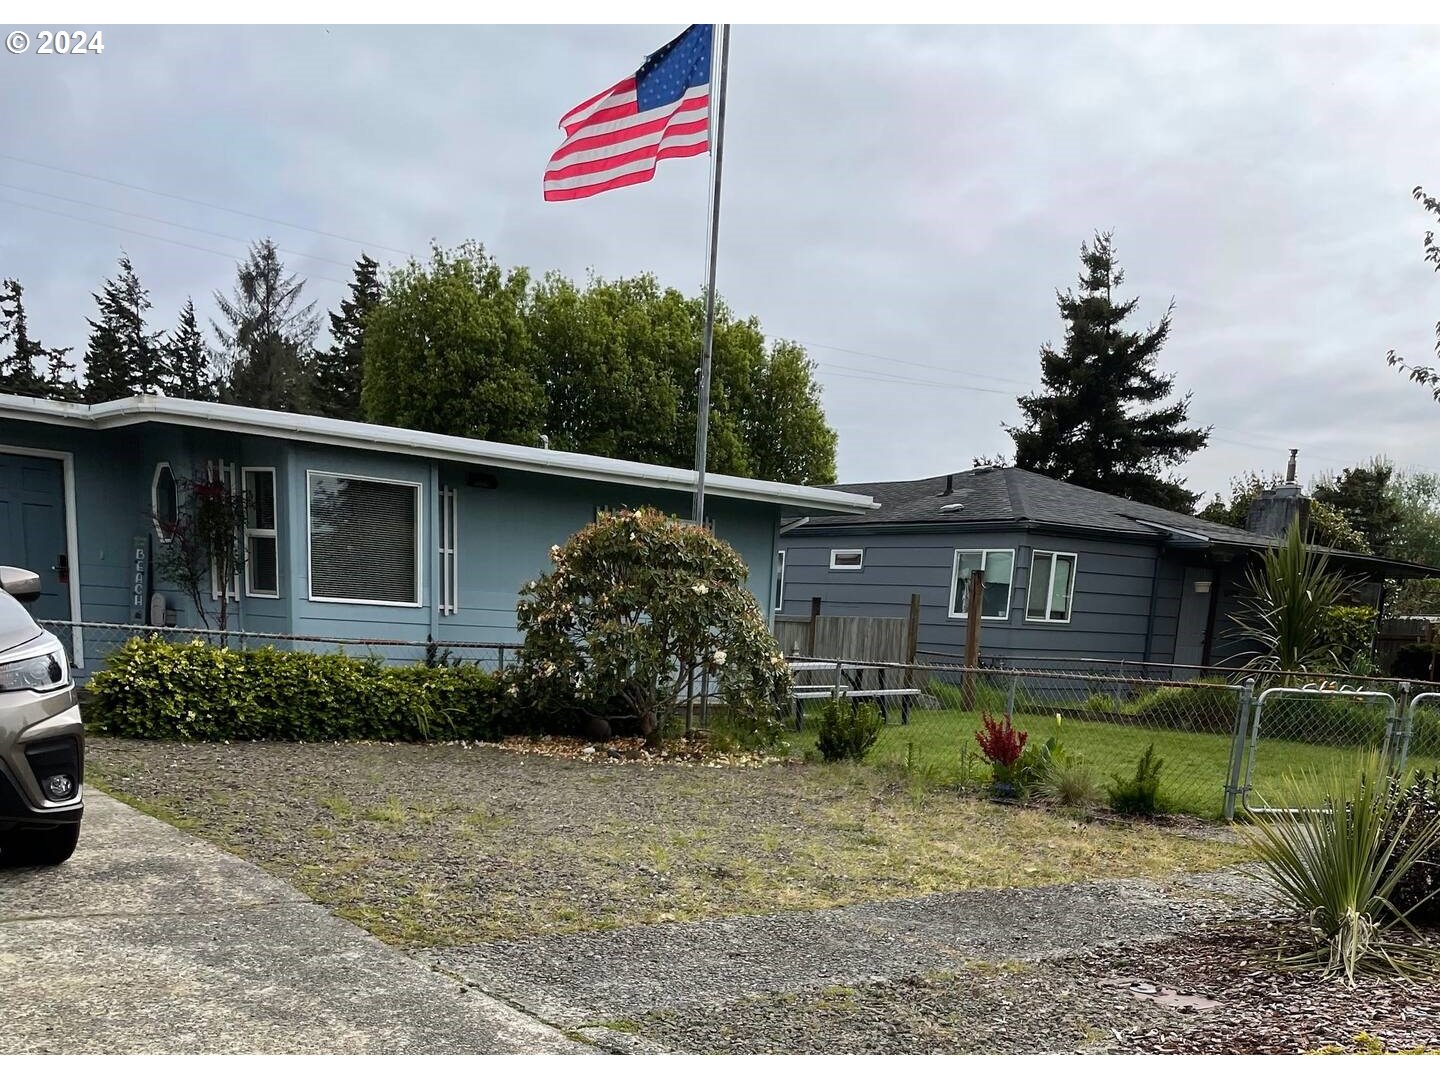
(187, 361)
(338, 369)
(1101, 420)
(30, 369)
(122, 358)
(267, 342)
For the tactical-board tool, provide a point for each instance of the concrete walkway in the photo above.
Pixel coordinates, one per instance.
(151, 941)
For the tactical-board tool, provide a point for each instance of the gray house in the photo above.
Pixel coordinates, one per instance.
(1069, 573)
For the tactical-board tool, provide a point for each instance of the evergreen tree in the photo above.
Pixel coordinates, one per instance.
(1101, 420)
(267, 340)
(122, 358)
(187, 361)
(1366, 495)
(27, 367)
(338, 369)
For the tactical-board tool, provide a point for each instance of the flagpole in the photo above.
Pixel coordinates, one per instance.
(702, 418)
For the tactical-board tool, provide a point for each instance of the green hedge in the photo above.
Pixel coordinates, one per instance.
(153, 689)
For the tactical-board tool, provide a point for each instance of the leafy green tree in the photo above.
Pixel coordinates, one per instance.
(187, 360)
(620, 380)
(448, 349)
(1424, 374)
(338, 370)
(1366, 497)
(266, 335)
(29, 368)
(1417, 539)
(1101, 420)
(123, 356)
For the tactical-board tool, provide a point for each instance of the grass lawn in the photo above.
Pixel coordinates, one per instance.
(1197, 764)
(447, 844)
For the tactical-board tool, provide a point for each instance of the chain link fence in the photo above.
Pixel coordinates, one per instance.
(1225, 737)
(95, 640)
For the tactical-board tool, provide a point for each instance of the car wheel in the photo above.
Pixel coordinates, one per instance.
(39, 847)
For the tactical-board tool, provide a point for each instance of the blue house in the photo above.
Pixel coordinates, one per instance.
(353, 530)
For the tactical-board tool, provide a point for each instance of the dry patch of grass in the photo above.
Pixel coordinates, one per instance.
(447, 845)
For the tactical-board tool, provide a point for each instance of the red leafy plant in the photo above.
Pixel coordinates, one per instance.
(1001, 743)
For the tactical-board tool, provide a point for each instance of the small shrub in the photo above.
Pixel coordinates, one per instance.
(1103, 704)
(152, 689)
(1336, 869)
(1070, 782)
(846, 733)
(1138, 794)
(1001, 744)
(1416, 812)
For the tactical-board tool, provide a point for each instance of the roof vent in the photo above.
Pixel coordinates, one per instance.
(952, 508)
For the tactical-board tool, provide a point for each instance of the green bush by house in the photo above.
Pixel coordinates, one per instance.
(155, 689)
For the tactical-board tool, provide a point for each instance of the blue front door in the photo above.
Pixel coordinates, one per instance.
(32, 527)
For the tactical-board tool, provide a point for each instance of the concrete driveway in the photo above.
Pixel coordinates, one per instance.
(151, 941)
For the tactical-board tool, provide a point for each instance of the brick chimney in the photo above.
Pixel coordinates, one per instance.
(1272, 511)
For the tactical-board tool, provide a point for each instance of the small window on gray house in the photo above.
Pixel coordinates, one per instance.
(164, 501)
(998, 566)
(1052, 587)
(847, 559)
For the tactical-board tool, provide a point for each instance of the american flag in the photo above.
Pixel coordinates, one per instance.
(617, 137)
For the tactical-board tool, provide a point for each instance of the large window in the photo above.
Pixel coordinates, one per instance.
(262, 564)
(364, 540)
(998, 566)
(779, 600)
(1052, 587)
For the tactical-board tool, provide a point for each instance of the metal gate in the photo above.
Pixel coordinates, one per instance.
(1311, 728)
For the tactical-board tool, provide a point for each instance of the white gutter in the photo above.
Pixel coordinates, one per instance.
(348, 433)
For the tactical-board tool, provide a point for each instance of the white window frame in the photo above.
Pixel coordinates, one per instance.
(984, 554)
(273, 534)
(162, 466)
(847, 551)
(223, 471)
(449, 549)
(419, 538)
(1038, 555)
(778, 601)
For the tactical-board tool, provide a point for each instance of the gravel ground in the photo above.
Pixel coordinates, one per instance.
(1082, 1004)
(442, 845)
(577, 980)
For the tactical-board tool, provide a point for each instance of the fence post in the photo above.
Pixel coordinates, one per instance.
(1237, 747)
(814, 624)
(1010, 697)
(912, 637)
(974, 603)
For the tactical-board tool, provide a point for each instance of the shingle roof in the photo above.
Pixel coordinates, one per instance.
(1008, 496)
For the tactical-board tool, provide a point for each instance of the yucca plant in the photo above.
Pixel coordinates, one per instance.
(1338, 866)
(1286, 610)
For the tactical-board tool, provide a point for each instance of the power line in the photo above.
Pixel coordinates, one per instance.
(164, 221)
(149, 236)
(202, 202)
(842, 371)
(908, 363)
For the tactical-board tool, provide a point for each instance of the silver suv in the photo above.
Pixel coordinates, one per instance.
(42, 740)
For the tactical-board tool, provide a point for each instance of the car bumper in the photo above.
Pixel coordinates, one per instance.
(40, 735)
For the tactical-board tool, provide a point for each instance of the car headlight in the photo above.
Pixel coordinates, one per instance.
(44, 672)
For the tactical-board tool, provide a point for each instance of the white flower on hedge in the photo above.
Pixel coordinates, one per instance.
(513, 690)
(701, 588)
(554, 551)
(720, 655)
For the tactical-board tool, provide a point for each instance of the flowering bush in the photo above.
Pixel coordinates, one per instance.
(635, 603)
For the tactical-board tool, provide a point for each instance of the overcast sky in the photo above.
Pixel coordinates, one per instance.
(891, 194)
